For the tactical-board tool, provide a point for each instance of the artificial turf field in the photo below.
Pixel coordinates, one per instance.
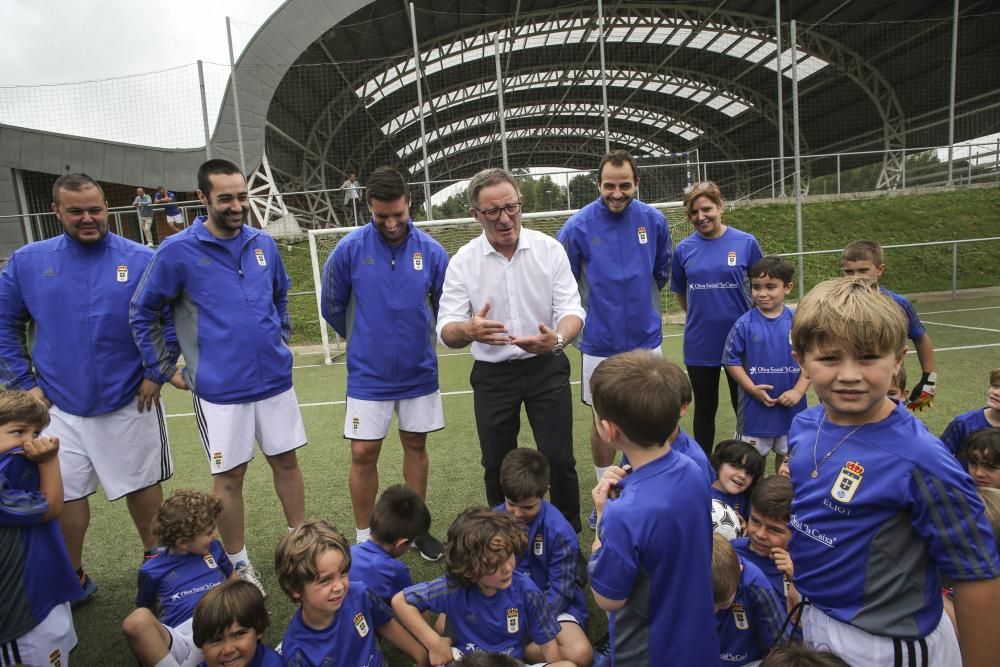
(966, 335)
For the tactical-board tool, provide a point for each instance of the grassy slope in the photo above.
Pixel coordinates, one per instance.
(826, 225)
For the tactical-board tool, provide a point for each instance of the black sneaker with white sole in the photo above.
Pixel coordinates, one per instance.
(429, 547)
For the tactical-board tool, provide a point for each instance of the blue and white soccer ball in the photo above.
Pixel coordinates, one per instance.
(725, 520)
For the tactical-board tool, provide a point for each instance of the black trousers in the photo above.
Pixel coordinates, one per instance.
(541, 384)
(705, 385)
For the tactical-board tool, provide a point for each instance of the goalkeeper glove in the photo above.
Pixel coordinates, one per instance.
(922, 395)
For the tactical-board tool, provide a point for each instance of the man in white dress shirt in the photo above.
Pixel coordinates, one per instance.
(511, 294)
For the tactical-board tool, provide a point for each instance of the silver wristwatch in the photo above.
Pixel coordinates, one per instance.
(560, 343)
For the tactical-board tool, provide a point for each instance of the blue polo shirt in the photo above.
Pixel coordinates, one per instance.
(378, 571)
(175, 582)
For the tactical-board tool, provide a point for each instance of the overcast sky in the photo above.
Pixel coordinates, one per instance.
(55, 41)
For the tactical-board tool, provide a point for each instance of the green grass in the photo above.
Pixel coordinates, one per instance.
(941, 216)
(113, 552)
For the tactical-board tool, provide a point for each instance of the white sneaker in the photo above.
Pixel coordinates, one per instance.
(245, 571)
(149, 245)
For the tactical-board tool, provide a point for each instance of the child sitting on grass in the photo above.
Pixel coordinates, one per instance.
(738, 465)
(399, 517)
(159, 632)
(969, 422)
(980, 452)
(551, 556)
(748, 613)
(488, 605)
(36, 626)
(338, 621)
(229, 622)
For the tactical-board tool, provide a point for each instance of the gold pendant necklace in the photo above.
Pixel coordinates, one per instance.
(819, 429)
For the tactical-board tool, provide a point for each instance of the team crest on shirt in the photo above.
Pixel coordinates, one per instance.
(847, 482)
(740, 616)
(731, 258)
(418, 261)
(260, 257)
(538, 545)
(210, 562)
(217, 459)
(361, 624)
(123, 273)
(643, 238)
(513, 621)
(355, 423)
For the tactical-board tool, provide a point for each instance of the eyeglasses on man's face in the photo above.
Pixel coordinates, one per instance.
(493, 214)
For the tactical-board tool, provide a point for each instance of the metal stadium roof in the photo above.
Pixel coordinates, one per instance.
(329, 87)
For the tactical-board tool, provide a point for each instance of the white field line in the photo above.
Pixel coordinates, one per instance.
(958, 310)
(961, 326)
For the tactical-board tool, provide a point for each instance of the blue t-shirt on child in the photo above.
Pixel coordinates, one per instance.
(914, 327)
(713, 274)
(550, 561)
(175, 582)
(265, 656)
(766, 565)
(890, 496)
(656, 554)
(763, 347)
(37, 575)
(501, 623)
(740, 502)
(350, 640)
(378, 571)
(749, 628)
(962, 426)
(686, 445)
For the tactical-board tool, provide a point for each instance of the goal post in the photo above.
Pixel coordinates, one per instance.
(452, 234)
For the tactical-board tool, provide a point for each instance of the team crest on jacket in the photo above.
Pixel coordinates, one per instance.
(538, 545)
(360, 624)
(513, 622)
(259, 253)
(418, 261)
(847, 482)
(643, 238)
(123, 273)
(731, 258)
(209, 561)
(740, 616)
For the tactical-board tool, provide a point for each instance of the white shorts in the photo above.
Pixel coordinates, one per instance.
(229, 431)
(764, 444)
(125, 450)
(369, 420)
(589, 364)
(858, 647)
(176, 219)
(182, 648)
(48, 643)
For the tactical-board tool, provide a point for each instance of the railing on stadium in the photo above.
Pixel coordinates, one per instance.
(456, 232)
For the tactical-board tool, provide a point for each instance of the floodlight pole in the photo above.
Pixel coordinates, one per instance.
(420, 105)
(951, 95)
(236, 97)
(604, 76)
(798, 161)
(204, 110)
(781, 104)
(503, 122)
